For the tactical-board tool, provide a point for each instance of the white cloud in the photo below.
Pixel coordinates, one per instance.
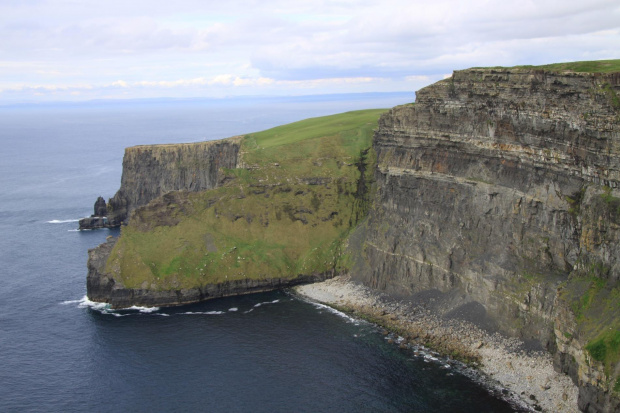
(273, 44)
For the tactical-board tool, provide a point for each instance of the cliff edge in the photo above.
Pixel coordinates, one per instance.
(498, 191)
(150, 171)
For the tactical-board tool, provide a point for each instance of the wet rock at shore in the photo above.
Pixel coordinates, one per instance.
(99, 219)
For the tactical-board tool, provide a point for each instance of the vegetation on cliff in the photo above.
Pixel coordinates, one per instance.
(285, 212)
(586, 66)
(593, 289)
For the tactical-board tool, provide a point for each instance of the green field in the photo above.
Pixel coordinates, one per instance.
(594, 66)
(286, 212)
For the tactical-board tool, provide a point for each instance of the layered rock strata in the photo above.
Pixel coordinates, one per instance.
(150, 171)
(498, 188)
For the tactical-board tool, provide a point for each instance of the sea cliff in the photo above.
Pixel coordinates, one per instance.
(279, 206)
(153, 170)
(497, 191)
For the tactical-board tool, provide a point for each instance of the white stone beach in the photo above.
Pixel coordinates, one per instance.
(526, 376)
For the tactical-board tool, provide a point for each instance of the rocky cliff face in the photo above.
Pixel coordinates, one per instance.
(206, 222)
(150, 171)
(499, 188)
(99, 219)
(103, 287)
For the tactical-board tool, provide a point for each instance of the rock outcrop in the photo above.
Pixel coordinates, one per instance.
(499, 188)
(153, 170)
(97, 220)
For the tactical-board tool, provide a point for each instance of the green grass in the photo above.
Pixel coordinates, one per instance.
(611, 95)
(612, 201)
(596, 305)
(594, 66)
(287, 214)
(321, 127)
(605, 348)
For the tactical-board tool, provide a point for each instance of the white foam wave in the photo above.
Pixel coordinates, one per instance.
(114, 314)
(70, 302)
(233, 309)
(86, 303)
(103, 308)
(142, 309)
(203, 312)
(338, 313)
(62, 221)
(266, 302)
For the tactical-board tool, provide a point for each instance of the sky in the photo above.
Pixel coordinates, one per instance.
(75, 50)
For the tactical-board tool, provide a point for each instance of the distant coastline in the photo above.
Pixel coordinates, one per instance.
(208, 101)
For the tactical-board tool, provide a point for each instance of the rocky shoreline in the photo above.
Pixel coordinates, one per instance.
(504, 363)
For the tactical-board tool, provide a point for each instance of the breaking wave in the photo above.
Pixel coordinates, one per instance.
(142, 309)
(203, 312)
(62, 221)
(104, 308)
(266, 302)
(336, 312)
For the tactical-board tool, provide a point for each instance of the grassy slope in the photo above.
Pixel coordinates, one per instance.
(595, 66)
(287, 213)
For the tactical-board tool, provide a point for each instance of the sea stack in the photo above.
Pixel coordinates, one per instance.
(98, 219)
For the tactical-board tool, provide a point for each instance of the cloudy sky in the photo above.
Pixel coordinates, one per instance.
(55, 50)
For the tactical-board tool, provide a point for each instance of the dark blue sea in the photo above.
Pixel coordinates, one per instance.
(267, 352)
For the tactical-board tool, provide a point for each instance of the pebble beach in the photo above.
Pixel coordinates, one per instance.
(527, 378)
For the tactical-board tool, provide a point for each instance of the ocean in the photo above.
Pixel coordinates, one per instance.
(269, 352)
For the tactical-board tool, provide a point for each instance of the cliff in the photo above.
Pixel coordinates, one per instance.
(153, 170)
(280, 204)
(495, 194)
(498, 189)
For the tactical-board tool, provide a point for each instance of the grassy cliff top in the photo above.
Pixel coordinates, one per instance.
(186, 145)
(591, 66)
(285, 213)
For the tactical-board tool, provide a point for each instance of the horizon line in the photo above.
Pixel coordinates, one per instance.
(164, 99)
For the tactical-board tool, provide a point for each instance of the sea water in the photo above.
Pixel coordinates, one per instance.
(268, 352)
